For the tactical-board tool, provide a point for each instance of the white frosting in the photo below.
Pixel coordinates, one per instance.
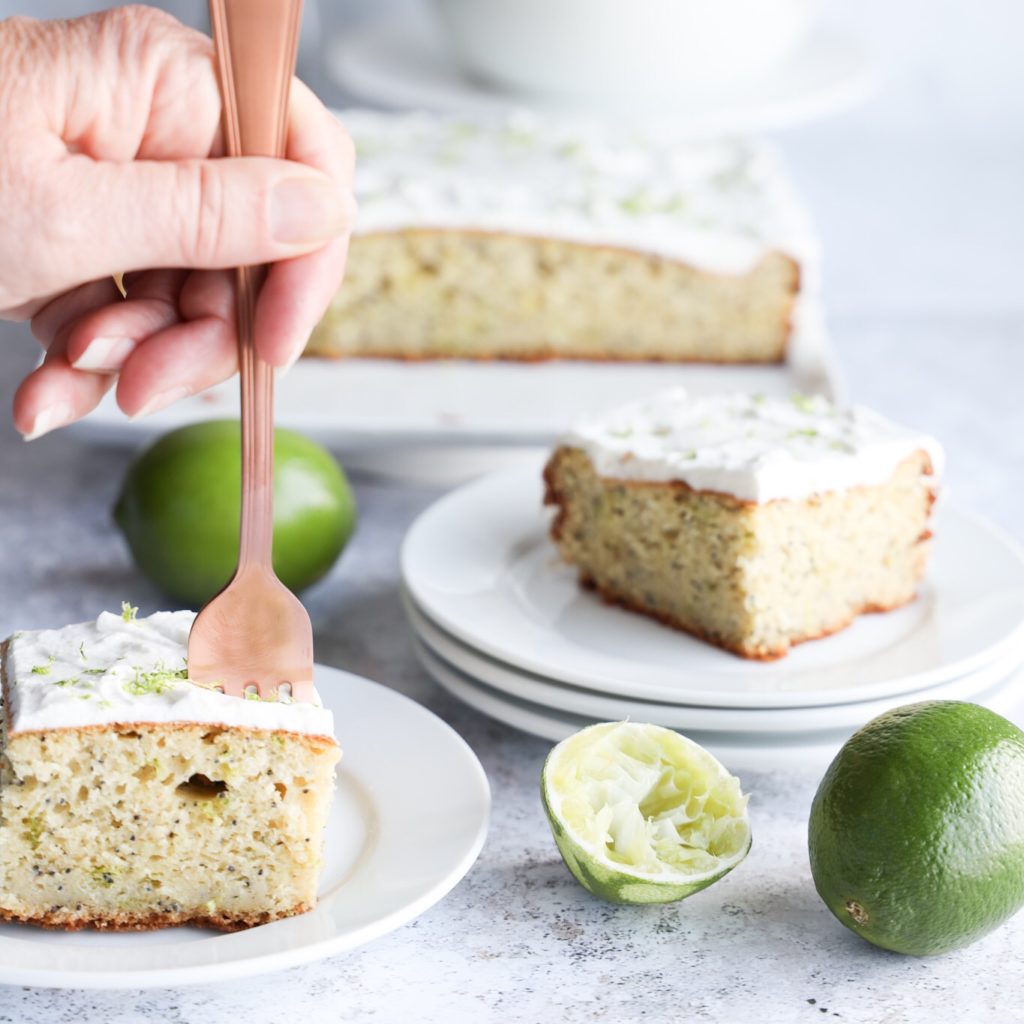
(115, 671)
(752, 447)
(719, 206)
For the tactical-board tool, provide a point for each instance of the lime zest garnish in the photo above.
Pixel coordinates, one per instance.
(103, 875)
(675, 203)
(128, 612)
(155, 681)
(34, 829)
(637, 203)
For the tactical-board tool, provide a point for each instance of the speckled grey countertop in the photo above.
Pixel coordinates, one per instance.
(518, 940)
(927, 314)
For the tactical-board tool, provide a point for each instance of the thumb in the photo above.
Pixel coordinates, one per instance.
(192, 213)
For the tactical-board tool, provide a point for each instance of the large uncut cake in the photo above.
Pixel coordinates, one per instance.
(526, 238)
(133, 798)
(754, 523)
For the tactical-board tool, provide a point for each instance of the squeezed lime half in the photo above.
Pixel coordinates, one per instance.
(641, 814)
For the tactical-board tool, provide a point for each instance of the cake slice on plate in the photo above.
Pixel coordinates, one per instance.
(527, 237)
(132, 798)
(754, 523)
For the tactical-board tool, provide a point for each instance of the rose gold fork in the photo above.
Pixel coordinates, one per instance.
(255, 632)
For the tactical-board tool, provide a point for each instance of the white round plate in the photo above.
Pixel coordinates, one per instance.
(547, 693)
(405, 63)
(370, 885)
(479, 563)
(737, 751)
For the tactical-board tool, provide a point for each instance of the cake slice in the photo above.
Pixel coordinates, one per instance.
(750, 522)
(132, 798)
(525, 237)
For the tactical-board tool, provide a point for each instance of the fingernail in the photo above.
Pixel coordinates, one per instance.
(159, 401)
(292, 360)
(50, 418)
(308, 210)
(105, 355)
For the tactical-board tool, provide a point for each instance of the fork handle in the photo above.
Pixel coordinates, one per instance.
(256, 46)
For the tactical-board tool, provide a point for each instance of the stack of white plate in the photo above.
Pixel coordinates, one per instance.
(502, 624)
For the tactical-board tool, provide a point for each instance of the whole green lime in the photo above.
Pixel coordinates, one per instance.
(180, 502)
(916, 833)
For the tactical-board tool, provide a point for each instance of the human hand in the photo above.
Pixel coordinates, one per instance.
(108, 124)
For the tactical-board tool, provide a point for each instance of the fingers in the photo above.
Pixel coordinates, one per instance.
(181, 361)
(293, 299)
(317, 138)
(186, 357)
(193, 213)
(117, 117)
(100, 340)
(297, 292)
(213, 213)
(114, 174)
(56, 314)
(55, 394)
(193, 347)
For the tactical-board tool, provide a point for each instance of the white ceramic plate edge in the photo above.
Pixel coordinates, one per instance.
(556, 726)
(736, 751)
(568, 699)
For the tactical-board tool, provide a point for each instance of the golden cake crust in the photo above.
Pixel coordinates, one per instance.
(68, 922)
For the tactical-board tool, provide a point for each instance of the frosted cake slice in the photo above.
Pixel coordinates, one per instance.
(527, 237)
(131, 798)
(751, 522)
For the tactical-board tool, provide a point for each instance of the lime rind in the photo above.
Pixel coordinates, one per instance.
(916, 831)
(642, 814)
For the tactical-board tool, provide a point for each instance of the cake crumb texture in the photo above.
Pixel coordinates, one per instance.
(427, 294)
(137, 826)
